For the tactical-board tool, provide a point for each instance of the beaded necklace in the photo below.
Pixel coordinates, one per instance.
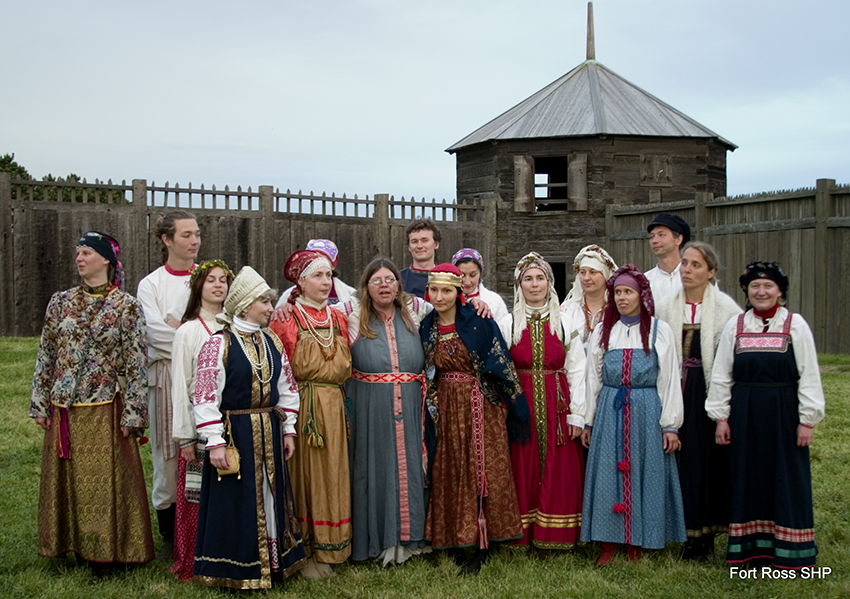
(313, 325)
(257, 367)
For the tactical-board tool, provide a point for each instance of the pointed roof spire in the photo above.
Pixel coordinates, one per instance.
(591, 49)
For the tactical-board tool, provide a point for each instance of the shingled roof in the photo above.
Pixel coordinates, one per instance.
(589, 100)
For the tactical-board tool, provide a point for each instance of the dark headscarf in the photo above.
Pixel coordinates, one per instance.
(108, 247)
(764, 270)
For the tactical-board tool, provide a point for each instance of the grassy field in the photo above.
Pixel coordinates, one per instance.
(508, 574)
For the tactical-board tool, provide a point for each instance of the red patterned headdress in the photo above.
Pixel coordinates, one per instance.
(300, 264)
(446, 274)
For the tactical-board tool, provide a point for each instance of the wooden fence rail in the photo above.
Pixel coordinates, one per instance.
(807, 231)
(262, 226)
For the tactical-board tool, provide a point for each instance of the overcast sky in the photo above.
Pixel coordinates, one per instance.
(364, 96)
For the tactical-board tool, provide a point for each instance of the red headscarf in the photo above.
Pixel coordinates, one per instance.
(647, 304)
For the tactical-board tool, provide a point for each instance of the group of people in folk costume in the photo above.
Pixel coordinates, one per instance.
(416, 413)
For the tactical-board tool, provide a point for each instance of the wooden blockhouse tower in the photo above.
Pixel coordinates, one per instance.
(556, 160)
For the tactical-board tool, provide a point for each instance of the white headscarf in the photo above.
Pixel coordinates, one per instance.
(535, 260)
(591, 256)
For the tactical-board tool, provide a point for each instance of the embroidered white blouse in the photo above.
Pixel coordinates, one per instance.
(211, 379)
(809, 390)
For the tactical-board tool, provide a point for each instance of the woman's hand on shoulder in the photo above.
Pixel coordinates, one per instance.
(481, 308)
(284, 313)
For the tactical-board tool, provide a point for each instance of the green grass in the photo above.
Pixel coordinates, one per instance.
(508, 574)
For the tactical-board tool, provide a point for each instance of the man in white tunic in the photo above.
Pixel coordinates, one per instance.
(667, 233)
(163, 295)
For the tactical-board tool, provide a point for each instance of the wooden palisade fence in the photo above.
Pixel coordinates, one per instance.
(259, 227)
(807, 231)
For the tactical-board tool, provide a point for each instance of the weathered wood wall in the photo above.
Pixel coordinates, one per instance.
(806, 231)
(613, 176)
(261, 228)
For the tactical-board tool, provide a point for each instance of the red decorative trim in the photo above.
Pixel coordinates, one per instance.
(206, 379)
(414, 269)
(208, 423)
(807, 425)
(219, 445)
(722, 420)
(627, 446)
(783, 533)
(179, 273)
(325, 522)
(204, 324)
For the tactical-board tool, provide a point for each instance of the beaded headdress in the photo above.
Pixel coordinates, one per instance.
(535, 260)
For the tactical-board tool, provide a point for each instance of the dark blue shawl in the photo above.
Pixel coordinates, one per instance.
(494, 369)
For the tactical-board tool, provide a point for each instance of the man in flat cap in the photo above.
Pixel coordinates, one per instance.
(667, 234)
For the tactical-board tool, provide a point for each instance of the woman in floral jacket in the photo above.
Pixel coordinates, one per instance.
(92, 497)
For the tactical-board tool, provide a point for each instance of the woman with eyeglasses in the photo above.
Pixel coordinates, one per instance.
(385, 389)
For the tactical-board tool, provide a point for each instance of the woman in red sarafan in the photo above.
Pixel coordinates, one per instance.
(550, 360)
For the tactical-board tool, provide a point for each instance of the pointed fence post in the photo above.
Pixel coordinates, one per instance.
(269, 268)
(7, 258)
(140, 242)
(701, 198)
(824, 208)
(382, 223)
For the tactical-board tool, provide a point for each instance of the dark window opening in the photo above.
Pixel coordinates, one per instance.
(551, 183)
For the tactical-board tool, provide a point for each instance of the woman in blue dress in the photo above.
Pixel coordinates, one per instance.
(634, 410)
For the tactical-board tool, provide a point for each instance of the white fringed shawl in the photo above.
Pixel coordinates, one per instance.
(717, 309)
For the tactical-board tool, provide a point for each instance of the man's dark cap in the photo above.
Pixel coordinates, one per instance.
(673, 222)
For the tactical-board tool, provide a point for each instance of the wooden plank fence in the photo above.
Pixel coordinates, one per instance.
(42, 220)
(807, 231)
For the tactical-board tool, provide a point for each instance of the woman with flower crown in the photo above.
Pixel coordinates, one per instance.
(245, 399)
(633, 413)
(208, 287)
(316, 342)
(92, 498)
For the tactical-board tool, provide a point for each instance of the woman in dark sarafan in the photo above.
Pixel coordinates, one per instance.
(766, 398)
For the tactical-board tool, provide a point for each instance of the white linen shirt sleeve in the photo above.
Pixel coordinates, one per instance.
(669, 383)
(210, 380)
(160, 336)
(182, 384)
(506, 327)
(717, 404)
(812, 408)
(288, 400)
(593, 375)
(575, 365)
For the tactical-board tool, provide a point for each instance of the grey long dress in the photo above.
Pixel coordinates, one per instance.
(387, 491)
